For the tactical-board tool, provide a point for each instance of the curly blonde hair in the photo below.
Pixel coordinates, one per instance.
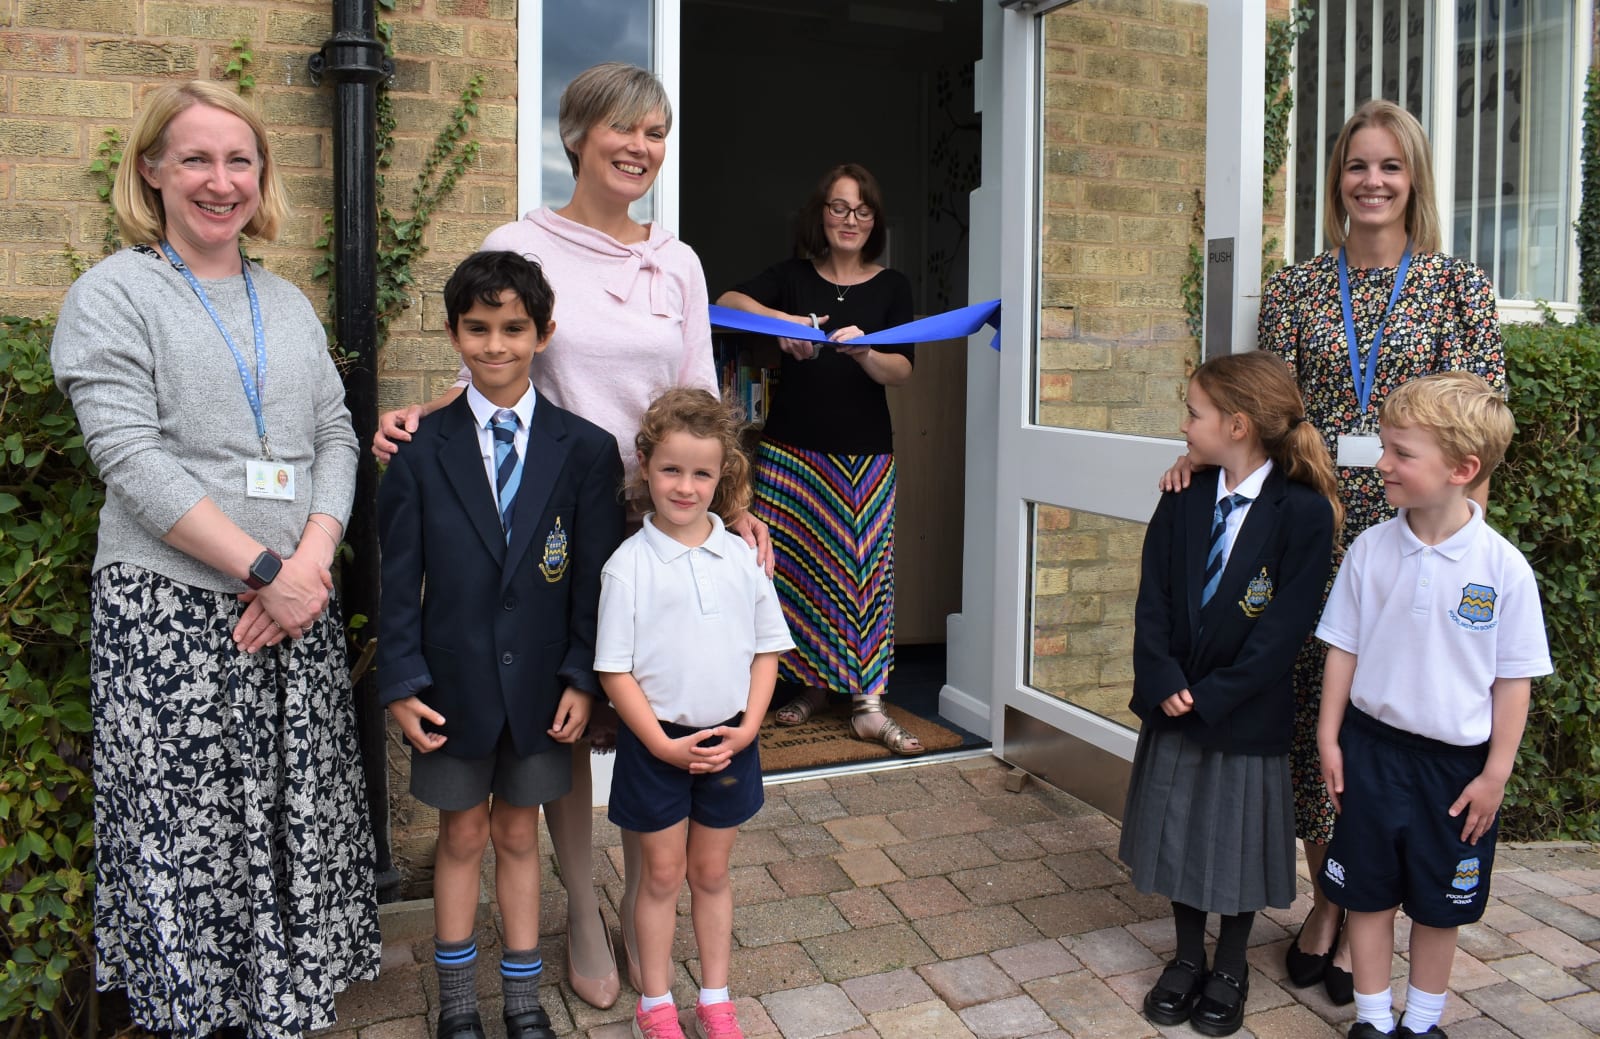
(697, 412)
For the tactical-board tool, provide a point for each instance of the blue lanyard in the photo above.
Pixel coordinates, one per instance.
(1365, 379)
(252, 383)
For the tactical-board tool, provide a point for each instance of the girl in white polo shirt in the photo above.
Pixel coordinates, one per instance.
(687, 649)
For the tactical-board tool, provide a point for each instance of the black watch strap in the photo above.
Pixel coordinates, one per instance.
(264, 570)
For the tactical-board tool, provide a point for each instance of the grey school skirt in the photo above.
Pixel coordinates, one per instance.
(1212, 830)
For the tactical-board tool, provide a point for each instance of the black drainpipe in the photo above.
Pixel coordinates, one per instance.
(353, 58)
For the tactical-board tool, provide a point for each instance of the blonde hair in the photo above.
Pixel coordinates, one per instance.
(1258, 386)
(140, 215)
(1422, 213)
(1459, 410)
(683, 409)
(611, 92)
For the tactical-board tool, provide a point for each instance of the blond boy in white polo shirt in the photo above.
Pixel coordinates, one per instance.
(1435, 632)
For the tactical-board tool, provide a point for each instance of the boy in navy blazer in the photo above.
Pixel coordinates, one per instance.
(495, 521)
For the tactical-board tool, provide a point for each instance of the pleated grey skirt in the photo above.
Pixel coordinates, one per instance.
(1209, 829)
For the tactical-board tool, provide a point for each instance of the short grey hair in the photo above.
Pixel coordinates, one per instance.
(611, 92)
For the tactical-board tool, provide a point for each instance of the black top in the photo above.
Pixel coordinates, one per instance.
(829, 403)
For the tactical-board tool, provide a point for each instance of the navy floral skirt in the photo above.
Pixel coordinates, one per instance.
(233, 850)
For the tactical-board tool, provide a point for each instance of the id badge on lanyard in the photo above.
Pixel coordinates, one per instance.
(1362, 450)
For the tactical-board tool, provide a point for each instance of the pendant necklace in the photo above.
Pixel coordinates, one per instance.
(839, 291)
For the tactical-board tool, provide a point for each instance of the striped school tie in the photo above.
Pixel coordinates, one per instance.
(1214, 558)
(507, 464)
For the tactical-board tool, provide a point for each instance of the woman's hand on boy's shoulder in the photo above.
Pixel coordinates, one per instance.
(411, 713)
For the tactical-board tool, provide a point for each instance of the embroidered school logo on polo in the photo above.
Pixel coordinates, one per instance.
(1257, 594)
(1476, 608)
(554, 564)
(1466, 877)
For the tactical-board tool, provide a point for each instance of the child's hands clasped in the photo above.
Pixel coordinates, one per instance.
(572, 716)
(690, 754)
(1481, 799)
(411, 713)
(1178, 704)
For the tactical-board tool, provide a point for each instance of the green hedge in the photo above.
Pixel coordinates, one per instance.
(49, 510)
(1546, 499)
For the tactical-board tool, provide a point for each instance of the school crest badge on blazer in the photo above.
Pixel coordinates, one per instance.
(1257, 594)
(554, 564)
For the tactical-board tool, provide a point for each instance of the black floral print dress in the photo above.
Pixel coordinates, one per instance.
(1444, 320)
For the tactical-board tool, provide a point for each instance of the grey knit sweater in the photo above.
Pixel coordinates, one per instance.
(164, 414)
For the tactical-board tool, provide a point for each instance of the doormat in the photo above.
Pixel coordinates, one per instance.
(826, 739)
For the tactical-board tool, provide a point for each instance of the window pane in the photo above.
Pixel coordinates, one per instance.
(577, 36)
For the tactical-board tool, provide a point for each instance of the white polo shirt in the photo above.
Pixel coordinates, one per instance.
(1432, 626)
(688, 622)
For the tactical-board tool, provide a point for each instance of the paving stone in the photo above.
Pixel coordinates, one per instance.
(756, 848)
(883, 798)
(1010, 844)
(1266, 932)
(976, 930)
(808, 840)
(772, 968)
(1515, 883)
(1548, 883)
(1007, 882)
(1486, 943)
(871, 831)
(1110, 950)
(1083, 1005)
(869, 867)
(891, 991)
(940, 855)
(1291, 1022)
(1158, 936)
(946, 786)
(1588, 879)
(1574, 921)
(969, 981)
(817, 806)
(1041, 959)
(865, 906)
(1480, 1027)
(1075, 912)
(1589, 975)
(752, 885)
(1016, 809)
(1584, 903)
(792, 919)
(396, 955)
(1521, 1012)
(1508, 919)
(940, 821)
(816, 1010)
(812, 876)
(874, 950)
(1010, 1018)
(394, 994)
(775, 812)
(404, 1028)
(926, 896)
(1558, 947)
(919, 1021)
(1583, 1008)
(1467, 972)
(1062, 836)
(1148, 906)
(1539, 976)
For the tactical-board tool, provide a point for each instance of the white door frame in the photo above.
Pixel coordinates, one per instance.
(1011, 461)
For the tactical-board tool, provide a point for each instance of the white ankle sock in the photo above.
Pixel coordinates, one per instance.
(1376, 1010)
(713, 995)
(1423, 1009)
(651, 1002)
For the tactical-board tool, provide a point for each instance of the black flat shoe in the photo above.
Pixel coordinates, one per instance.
(1340, 985)
(1433, 1032)
(461, 1026)
(1368, 1030)
(531, 1024)
(1221, 1007)
(1166, 1006)
(1305, 968)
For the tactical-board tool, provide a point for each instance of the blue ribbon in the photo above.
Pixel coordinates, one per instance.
(1364, 380)
(252, 390)
(952, 324)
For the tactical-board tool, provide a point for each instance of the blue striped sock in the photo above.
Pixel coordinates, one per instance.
(456, 963)
(519, 979)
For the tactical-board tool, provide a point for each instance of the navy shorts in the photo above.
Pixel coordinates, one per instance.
(647, 794)
(1394, 843)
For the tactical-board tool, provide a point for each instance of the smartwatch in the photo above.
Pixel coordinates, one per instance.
(264, 570)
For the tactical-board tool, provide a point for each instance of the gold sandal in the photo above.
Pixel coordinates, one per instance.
(799, 710)
(891, 733)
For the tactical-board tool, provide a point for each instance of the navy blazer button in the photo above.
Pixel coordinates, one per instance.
(511, 604)
(506, 658)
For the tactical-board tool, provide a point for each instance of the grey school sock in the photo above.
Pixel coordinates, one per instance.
(456, 964)
(519, 979)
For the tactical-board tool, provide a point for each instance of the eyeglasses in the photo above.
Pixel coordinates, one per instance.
(863, 212)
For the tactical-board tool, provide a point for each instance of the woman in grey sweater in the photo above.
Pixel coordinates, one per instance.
(233, 851)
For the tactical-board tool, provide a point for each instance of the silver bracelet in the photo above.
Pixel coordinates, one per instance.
(324, 528)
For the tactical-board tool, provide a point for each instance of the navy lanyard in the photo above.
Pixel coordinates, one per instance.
(1365, 379)
(253, 383)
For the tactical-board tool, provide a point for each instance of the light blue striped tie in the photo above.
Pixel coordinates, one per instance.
(507, 464)
(1214, 560)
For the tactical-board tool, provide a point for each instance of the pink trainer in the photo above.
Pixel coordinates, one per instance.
(660, 1023)
(716, 1021)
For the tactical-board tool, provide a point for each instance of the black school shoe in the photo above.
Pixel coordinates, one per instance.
(1304, 968)
(461, 1026)
(1165, 1006)
(1433, 1032)
(531, 1024)
(1221, 1007)
(1368, 1030)
(1340, 985)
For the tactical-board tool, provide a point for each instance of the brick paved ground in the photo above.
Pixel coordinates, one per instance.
(930, 903)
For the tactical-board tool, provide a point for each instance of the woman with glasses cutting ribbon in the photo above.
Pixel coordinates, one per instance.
(1382, 306)
(825, 473)
(235, 892)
